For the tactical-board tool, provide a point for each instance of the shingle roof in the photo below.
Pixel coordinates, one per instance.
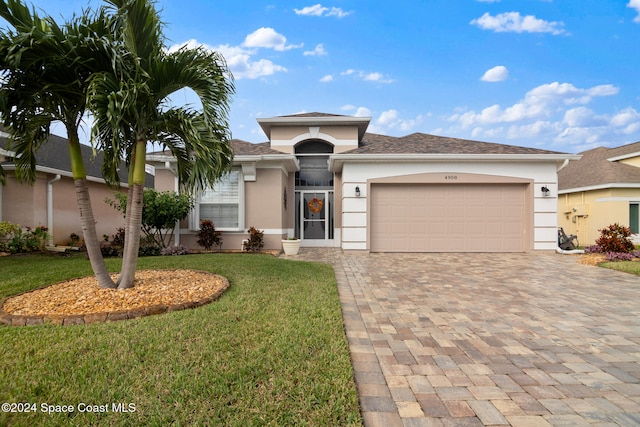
(244, 148)
(314, 115)
(421, 143)
(594, 169)
(54, 154)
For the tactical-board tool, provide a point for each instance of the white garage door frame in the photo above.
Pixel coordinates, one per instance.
(454, 178)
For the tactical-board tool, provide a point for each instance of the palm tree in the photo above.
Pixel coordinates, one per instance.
(44, 76)
(132, 109)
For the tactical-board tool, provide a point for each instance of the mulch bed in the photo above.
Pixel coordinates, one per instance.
(80, 301)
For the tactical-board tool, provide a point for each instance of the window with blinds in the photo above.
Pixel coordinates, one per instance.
(221, 204)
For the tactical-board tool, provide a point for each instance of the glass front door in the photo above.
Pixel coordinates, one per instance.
(314, 216)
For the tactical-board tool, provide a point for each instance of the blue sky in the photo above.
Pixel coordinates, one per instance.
(554, 74)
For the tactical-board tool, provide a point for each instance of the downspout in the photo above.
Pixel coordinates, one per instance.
(176, 188)
(176, 233)
(50, 209)
(564, 164)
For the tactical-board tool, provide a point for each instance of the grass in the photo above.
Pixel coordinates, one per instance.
(632, 267)
(270, 352)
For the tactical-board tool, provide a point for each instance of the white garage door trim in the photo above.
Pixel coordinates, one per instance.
(450, 213)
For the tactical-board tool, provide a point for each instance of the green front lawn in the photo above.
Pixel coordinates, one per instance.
(632, 267)
(270, 351)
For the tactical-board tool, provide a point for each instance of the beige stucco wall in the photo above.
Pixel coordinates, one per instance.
(285, 138)
(27, 205)
(264, 209)
(594, 210)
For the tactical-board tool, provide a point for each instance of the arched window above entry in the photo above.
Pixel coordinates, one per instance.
(313, 146)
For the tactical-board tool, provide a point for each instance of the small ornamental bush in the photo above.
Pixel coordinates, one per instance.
(255, 241)
(30, 240)
(208, 235)
(615, 238)
(593, 249)
(619, 256)
(175, 250)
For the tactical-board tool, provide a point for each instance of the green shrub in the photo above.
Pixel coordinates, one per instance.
(30, 240)
(615, 238)
(7, 231)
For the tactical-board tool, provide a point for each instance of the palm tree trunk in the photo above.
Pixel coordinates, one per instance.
(134, 216)
(127, 215)
(87, 220)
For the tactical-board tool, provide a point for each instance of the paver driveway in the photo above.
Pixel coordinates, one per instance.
(490, 339)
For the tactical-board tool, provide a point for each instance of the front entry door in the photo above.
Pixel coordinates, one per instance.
(314, 215)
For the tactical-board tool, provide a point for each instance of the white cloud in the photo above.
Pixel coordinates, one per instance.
(514, 22)
(496, 74)
(318, 51)
(319, 10)
(635, 4)
(541, 101)
(266, 37)
(362, 112)
(390, 122)
(327, 78)
(369, 77)
(359, 111)
(554, 114)
(239, 60)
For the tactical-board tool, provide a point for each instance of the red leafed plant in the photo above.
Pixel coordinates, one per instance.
(615, 238)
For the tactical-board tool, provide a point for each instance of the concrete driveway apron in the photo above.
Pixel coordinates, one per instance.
(489, 339)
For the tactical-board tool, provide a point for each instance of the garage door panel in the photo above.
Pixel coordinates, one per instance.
(448, 218)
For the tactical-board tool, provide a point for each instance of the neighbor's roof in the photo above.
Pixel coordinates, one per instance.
(596, 168)
(54, 155)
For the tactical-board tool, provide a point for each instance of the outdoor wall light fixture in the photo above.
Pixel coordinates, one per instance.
(545, 191)
(357, 191)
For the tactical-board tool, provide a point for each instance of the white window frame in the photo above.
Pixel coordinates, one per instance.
(195, 217)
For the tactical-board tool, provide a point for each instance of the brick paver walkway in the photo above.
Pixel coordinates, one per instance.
(489, 339)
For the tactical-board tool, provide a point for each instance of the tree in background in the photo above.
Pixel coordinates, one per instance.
(160, 212)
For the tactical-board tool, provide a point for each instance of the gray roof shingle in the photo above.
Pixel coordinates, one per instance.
(54, 154)
(594, 169)
(421, 143)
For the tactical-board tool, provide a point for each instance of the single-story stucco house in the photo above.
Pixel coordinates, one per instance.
(325, 179)
(51, 201)
(600, 189)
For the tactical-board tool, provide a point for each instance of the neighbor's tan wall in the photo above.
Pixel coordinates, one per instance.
(66, 218)
(633, 161)
(594, 210)
(27, 205)
(164, 180)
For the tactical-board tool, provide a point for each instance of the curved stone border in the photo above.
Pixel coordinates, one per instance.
(9, 319)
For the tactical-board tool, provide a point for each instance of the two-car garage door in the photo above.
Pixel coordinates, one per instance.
(448, 218)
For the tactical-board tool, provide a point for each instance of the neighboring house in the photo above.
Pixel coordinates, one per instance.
(600, 189)
(51, 201)
(324, 179)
